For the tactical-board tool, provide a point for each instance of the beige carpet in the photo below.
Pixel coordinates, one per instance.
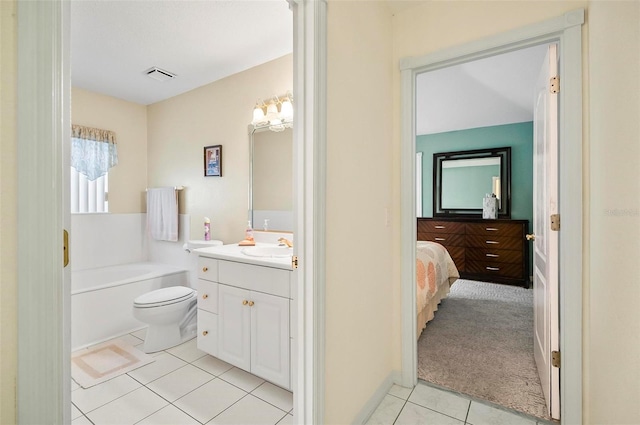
(93, 365)
(480, 343)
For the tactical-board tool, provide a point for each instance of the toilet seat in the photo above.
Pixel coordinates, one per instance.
(164, 296)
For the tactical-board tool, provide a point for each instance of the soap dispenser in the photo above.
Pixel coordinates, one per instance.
(249, 232)
(265, 226)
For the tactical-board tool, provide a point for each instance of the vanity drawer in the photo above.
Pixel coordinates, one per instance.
(208, 269)
(440, 227)
(444, 239)
(208, 296)
(208, 332)
(495, 269)
(495, 229)
(495, 242)
(495, 255)
(255, 278)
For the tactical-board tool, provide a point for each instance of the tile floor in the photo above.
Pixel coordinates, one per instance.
(429, 405)
(183, 386)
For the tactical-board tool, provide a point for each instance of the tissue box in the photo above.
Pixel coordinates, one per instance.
(490, 207)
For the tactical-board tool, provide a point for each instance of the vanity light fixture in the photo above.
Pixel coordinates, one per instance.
(276, 115)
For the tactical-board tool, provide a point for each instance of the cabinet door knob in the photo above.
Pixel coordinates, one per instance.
(204, 269)
(205, 333)
(245, 302)
(205, 296)
(251, 303)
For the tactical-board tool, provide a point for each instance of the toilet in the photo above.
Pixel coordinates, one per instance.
(171, 312)
(171, 316)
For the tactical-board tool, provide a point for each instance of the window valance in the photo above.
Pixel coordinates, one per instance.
(93, 151)
(89, 133)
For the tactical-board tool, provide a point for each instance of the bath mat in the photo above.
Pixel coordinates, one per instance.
(93, 365)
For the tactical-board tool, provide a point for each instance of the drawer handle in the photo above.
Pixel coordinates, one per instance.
(492, 242)
(440, 227)
(493, 269)
(440, 239)
(205, 333)
(205, 269)
(492, 255)
(245, 302)
(205, 296)
(251, 303)
(490, 229)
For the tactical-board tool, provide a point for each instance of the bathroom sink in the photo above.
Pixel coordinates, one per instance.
(268, 251)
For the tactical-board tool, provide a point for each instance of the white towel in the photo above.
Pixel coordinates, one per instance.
(162, 214)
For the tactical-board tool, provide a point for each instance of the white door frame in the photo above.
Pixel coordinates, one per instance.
(44, 296)
(566, 30)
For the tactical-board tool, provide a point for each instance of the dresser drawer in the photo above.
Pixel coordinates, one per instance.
(208, 296)
(495, 242)
(495, 269)
(208, 269)
(255, 278)
(440, 227)
(495, 229)
(443, 239)
(494, 255)
(207, 332)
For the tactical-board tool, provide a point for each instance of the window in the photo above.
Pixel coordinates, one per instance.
(93, 153)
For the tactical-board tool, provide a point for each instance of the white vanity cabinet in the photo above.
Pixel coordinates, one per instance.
(252, 317)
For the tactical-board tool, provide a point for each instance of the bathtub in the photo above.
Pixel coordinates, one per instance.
(102, 298)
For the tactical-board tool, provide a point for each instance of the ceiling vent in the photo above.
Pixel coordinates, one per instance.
(159, 74)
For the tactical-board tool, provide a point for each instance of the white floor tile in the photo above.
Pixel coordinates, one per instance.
(413, 414)
(481, 414)
(249, 411)
(242, 379)
(209, 400)
(169, 415)
(400, 392)
(387, 411)
(74, 385)
(287, 420)
(91, 398)
(75, 412)
(181, 381)
(275, 395)
(212, 365)
(441, 401)
(128, 409)
(140, 334)
(165, 363)
(81, 421)
(187, 351)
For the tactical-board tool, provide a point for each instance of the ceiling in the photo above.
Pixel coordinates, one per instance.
(492, 91)
(113, 43)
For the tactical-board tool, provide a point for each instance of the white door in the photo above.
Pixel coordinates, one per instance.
(234, 320)
(270, 338)
(545, 244)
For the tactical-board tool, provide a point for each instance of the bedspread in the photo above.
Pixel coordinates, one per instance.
(435, 273)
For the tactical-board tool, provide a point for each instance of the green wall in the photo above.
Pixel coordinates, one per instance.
(518, 136)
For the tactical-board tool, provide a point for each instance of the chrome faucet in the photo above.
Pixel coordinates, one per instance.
(287, 242)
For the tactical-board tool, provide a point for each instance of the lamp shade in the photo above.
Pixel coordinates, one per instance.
(286, 110)
(258, 116)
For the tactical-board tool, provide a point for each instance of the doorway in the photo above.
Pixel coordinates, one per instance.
(566, 31)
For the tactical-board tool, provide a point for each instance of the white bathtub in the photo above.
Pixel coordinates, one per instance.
(102, 298)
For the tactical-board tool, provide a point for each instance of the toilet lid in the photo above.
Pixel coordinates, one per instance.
(164, 296)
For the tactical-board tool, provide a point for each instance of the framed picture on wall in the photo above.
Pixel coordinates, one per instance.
(213, 161)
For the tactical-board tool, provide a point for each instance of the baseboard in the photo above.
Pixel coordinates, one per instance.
(375, 400)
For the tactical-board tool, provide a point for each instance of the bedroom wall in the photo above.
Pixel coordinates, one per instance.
(216, 114)
(518, 136)
(128, 179)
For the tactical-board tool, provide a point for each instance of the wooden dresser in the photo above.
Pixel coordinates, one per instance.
(486, 250)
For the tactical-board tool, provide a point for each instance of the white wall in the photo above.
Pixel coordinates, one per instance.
(360, 284)
(216, 114)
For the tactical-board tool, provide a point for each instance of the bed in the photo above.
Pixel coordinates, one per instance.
(435, 273)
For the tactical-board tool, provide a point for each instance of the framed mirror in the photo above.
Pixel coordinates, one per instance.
(462, 179)
(271, 179)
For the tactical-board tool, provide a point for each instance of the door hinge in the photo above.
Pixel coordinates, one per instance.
(555, 358)
(554, 84)
(294, 262)
(65, 248)
(555, 222)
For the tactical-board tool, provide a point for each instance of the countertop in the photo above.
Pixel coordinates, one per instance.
(233, 252)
